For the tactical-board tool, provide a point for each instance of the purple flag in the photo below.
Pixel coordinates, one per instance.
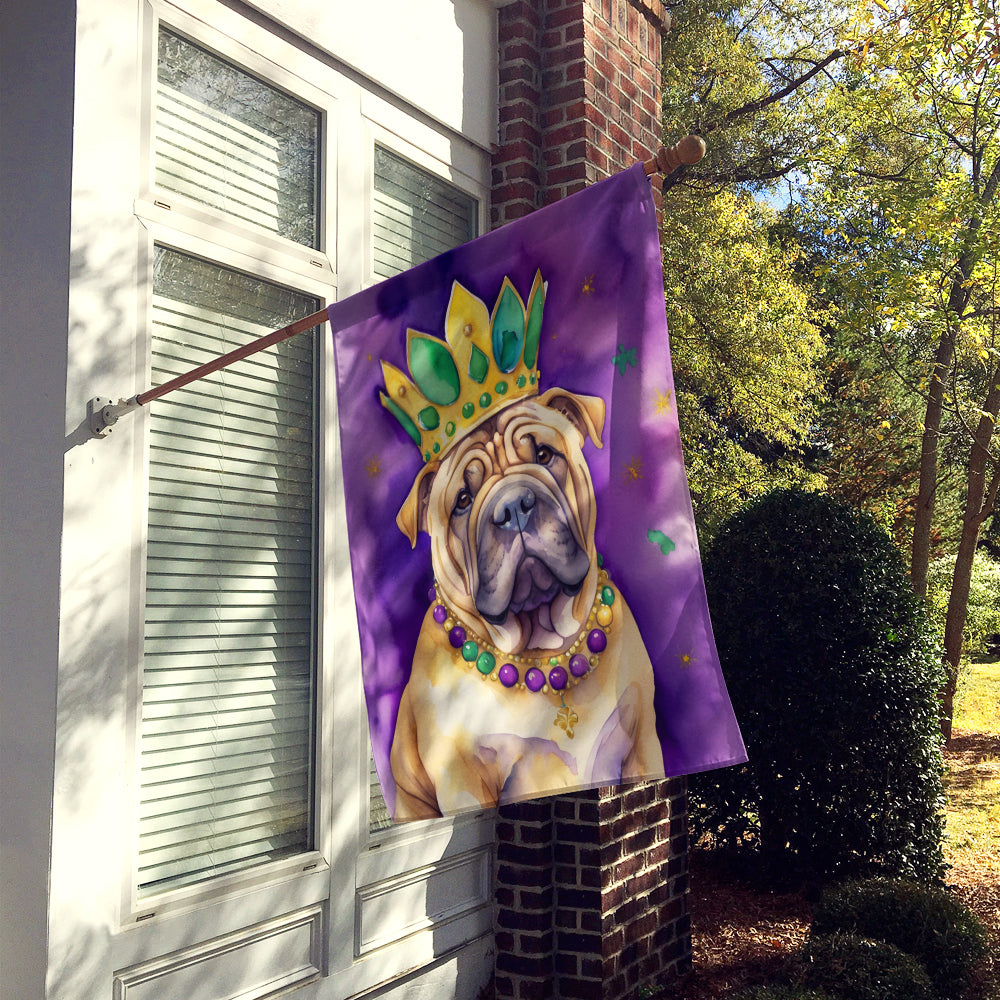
(527, 579)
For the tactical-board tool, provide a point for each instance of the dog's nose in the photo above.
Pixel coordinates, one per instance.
(513, 511)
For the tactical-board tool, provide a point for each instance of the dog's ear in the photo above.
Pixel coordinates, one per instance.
(412, 516)
(585, 413)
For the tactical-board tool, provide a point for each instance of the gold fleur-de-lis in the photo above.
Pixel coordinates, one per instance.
(567, 719)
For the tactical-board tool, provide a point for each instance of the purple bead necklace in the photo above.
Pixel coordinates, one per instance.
(553, 674)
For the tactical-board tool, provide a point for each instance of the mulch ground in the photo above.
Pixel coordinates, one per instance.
(742, 934)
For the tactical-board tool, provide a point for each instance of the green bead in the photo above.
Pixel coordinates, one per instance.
(607, 596)
(485, 399)
(429, 418)
(450, 428)
(501, 388)
(468, 410)
(486, 662)
(437, 447)
(521, 382)
(427, 456)
(469, 651)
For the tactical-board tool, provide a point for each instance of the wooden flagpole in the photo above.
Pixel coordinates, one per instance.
(102, 414)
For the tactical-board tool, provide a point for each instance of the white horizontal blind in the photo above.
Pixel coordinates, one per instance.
(228, 140)
(228, 658)
(416, 216)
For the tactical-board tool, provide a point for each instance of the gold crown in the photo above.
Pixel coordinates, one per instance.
(486, 362)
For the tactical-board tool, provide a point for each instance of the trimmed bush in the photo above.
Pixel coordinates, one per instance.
(856, 968)
(833, 672)
(925, 922)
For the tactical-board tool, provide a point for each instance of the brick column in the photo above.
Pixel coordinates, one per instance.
(579, 96)
(591, 889)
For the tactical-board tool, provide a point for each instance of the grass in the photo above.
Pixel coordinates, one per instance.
(973, 782)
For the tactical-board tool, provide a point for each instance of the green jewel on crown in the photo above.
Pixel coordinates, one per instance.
(485, 362)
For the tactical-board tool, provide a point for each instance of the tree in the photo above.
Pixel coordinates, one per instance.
(746, 355)
(912, 183)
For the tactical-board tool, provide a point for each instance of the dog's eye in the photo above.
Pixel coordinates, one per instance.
(463, 501)
(543, 454)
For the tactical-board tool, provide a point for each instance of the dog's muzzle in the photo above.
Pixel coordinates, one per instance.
(528, 549)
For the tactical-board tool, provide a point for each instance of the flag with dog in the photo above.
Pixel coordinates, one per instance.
(526, 572)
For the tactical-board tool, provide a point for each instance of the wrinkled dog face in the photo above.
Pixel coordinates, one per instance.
(510, 511)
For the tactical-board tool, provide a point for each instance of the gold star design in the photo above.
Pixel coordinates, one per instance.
(588, 285)
(633, 470)
(662, 400)
(686, 659)
(373, 467)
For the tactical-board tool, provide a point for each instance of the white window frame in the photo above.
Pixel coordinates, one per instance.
(351, 875)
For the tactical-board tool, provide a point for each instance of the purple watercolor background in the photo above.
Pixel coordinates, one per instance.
(599, 252)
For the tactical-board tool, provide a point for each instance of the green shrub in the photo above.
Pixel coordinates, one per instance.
(926, 922)
(833, 673)
(856, 968)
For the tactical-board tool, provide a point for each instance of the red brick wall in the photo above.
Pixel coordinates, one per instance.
(579, 96)
(591, 889)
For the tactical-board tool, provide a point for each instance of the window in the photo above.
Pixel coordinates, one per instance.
(253, 806)
(230, 141)
(416, 215)
(229, 646)
(228, 678)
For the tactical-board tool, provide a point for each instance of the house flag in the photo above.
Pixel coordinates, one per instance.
(527, 580)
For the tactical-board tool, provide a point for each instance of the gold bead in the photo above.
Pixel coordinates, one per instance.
(604, 615)
(449, 624)
(401, 391)
(467, 329)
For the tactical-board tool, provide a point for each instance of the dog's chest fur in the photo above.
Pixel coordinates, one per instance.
(508, 741)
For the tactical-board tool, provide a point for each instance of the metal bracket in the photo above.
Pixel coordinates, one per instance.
(103, 413)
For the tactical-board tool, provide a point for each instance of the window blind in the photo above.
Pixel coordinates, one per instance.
(228, 653)
(416, 216)
(228, 140)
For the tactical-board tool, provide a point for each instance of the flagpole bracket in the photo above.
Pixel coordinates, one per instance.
(103, 413)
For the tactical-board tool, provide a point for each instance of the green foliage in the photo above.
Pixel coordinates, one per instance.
(926, 922)
(857, 968)
(746, 356)
(983, 612)
(833, 673)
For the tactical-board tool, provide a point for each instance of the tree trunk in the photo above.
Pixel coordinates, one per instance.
(979, 503)
(920, 553)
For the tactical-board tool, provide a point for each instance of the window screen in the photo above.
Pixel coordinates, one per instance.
(228, 656)
(225, 139)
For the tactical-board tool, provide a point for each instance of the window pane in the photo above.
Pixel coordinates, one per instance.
(417, 215)
(228, 140)
(228, 657)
